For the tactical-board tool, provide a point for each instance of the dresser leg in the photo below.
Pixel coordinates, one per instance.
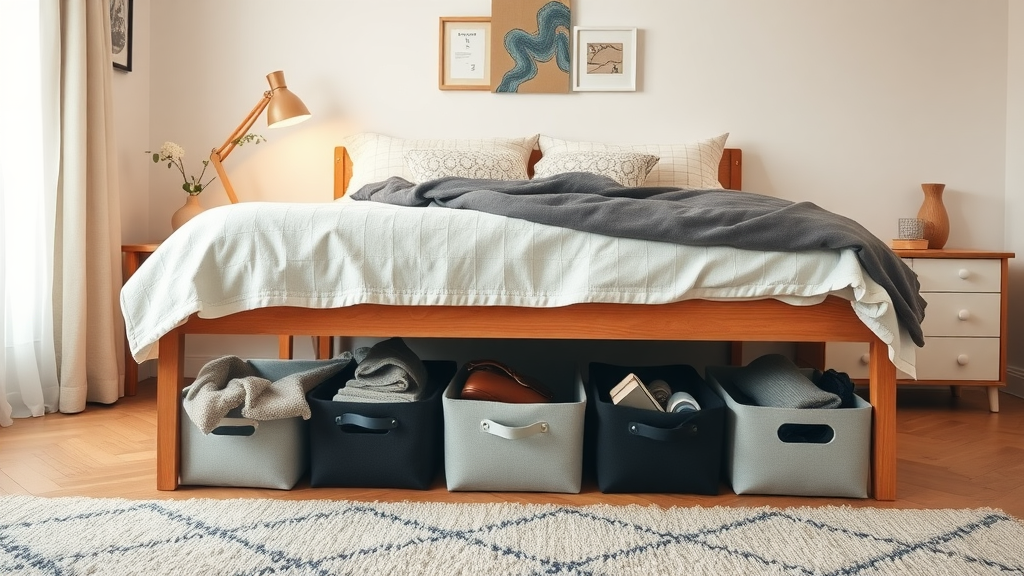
(955, 391)
(993, 399)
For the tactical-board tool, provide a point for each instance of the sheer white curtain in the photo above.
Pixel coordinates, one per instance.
(60, 236)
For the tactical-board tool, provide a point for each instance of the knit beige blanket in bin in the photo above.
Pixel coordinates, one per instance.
(230, 382)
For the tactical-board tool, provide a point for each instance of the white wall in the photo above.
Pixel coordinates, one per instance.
(1015, 192)
(850, 105)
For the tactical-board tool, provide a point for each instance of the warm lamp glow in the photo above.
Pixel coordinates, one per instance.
(283, 107)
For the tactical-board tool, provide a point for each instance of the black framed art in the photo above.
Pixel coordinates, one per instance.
(121, 34)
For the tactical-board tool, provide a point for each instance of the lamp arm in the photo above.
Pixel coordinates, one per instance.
(217, 155)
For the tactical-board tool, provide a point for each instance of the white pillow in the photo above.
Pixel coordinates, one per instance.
(692, 165)
(627, 168)
(492, 165)
(376, 157)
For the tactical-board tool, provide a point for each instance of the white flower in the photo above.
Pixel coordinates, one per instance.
(172, 154)
(171, 151)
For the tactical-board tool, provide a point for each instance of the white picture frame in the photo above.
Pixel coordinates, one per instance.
(604, 59)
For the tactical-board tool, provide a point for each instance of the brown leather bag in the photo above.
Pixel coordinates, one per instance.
(495, 382)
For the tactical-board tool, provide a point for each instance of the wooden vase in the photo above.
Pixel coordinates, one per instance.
(933, 212)
(186, 212)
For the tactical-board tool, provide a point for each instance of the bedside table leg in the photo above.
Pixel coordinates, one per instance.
(132, 261)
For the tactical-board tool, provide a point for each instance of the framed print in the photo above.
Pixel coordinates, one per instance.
(531, 44)
(465, 53)
(121, 34)
(604, 59)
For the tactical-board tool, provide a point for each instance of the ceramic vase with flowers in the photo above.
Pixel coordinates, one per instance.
(173, 154)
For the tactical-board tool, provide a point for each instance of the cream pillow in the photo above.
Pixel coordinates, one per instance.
(629, 169)
(376, 157)
(492, 165)
(692, 165)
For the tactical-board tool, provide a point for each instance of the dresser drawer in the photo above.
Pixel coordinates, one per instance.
(958, 274)
(958, 359)
(853, 358)
(954, 359)
(961, 314)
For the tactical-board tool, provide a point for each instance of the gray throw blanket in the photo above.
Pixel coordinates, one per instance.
(230, 382)
(389, 371)
(774, 380)
(592, 203)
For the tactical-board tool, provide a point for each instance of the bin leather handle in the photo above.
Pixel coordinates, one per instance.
(235, 427)
(682, 430)
(366, 422)
(513, 432)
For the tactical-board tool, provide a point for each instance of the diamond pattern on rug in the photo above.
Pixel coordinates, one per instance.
(78, 536)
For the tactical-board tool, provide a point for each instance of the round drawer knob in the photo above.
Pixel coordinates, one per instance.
(964, 315)
(865, 358)
(962, 359)
(964, 273)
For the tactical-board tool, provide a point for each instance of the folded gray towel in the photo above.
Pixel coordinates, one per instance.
(773, 380)
(229, 382)
(388, 371)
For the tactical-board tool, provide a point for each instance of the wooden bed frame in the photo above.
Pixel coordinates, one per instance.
(696, 320)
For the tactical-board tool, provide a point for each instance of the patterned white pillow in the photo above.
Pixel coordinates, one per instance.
(627, 168)
(376, 157)
(492, 165)
(692, 165)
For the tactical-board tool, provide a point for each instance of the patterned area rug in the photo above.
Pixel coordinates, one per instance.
(73, 536)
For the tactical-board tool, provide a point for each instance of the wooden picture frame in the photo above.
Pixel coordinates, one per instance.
(122, 13)
(604, 59)
(464, 53)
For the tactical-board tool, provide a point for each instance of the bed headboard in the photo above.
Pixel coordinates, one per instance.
(730, 169)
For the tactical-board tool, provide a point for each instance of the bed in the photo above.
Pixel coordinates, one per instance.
(829, 318)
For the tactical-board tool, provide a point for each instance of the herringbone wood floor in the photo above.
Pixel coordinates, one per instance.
(953, 453)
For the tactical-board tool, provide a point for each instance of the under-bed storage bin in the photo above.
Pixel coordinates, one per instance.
(244, 452)
(498, 446)
(639, 450)
(373, 444)
(826, 452)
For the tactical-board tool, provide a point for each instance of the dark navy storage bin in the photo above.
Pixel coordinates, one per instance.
(638, 450)
(377, 445)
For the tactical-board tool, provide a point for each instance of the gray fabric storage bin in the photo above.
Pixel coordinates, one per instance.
(274, 454)
(545, 453)
(758, 461)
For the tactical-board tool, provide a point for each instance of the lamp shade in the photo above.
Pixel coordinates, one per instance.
(285, 108)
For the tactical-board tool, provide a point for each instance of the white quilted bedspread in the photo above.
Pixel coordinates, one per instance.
(260, 254)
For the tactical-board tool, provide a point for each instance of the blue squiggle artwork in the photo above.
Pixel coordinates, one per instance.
(527, 49)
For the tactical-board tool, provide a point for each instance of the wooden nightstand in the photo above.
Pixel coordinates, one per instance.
(133, 256)
(964, 326)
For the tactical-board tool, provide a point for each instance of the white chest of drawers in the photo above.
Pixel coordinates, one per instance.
(964, 326)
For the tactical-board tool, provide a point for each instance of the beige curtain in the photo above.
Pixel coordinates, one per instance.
(89, 332)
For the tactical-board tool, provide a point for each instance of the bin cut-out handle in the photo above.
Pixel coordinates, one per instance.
(806, 433)
(684, 429)
(513, 432)
(358, 423)
(235, 427)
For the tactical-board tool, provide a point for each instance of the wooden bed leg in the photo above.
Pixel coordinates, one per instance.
(325, 347)
(882, 388)
(285, 347)
(170, 379)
